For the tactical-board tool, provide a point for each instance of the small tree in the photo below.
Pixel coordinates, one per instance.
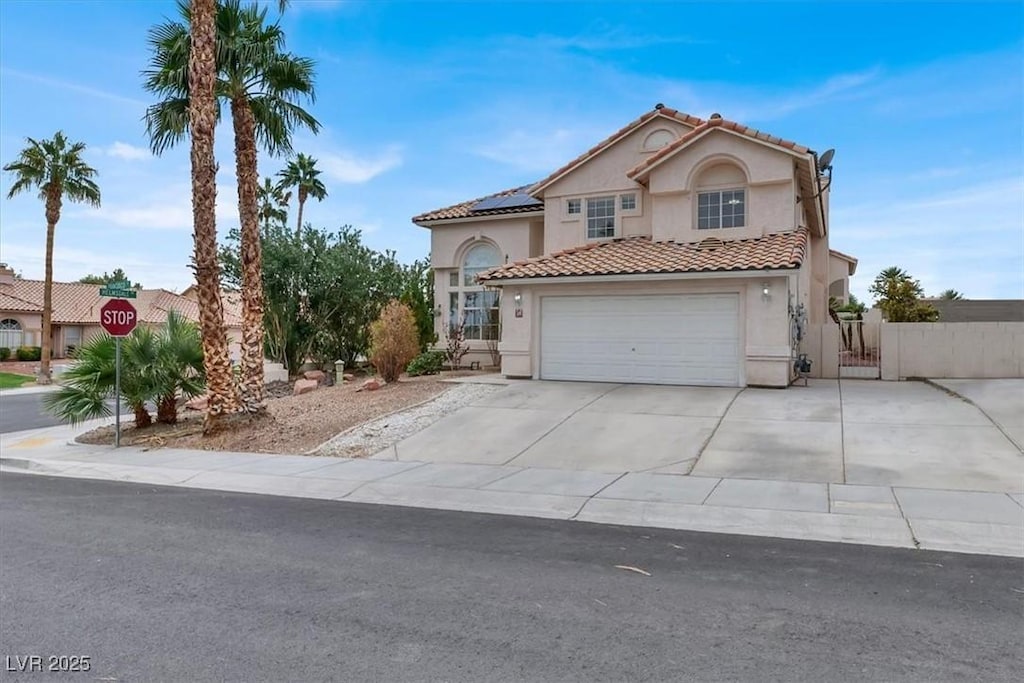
(394, 340)
(951, 295)
(455, 344)
(899, 297)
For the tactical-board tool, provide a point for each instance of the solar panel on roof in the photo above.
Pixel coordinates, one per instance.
(505, 202)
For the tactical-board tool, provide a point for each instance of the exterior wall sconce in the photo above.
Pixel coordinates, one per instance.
(517, 299)
(437, 311)
(766, 291)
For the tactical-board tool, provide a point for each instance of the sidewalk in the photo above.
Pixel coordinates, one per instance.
(930, 519)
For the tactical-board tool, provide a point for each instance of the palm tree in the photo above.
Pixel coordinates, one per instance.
(951, 295)
(273, 203)
(261, 85)
(56, 168)
(302, 173)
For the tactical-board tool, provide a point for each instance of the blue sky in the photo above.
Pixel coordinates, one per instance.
(425, 104)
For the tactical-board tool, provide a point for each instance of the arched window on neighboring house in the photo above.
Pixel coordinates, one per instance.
(11, 334)
(468, 300)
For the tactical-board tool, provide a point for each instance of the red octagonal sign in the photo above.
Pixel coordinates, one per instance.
(118, 317)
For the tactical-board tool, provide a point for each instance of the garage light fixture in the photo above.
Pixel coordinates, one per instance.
(766, 291)
(517, 299)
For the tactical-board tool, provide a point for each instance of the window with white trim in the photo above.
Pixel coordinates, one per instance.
(573, 207)
(627, 202)
(468, 301)
(721, 209)
(600, 218)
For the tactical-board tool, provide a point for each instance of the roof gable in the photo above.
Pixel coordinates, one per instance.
(643, 169)
(658, 112)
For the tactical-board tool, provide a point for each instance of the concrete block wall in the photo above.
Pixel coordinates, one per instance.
(953, 350)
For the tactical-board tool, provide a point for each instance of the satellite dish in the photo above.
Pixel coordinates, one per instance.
(825, 162)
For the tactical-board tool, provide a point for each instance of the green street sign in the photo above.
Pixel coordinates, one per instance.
(119, 284)
(118, 292)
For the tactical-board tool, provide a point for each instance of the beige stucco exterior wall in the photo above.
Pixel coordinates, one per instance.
(952, 350)
(770, 183)
(764, 326)
(517, 238)
(603, 175)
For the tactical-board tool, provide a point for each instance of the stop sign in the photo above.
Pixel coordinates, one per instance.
(118, 317)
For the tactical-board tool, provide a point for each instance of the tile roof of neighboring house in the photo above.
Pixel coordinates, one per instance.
(660, 110)
(705, 126)
(10, 302)
(465, 209)
(641, 255)
(78, 303)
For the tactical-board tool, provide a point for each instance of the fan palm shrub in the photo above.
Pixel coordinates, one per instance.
(156, 367)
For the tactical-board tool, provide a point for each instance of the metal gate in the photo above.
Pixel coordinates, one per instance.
(860, 349)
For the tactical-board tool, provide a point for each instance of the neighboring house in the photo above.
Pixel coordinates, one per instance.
(676, 251)
(76, 309)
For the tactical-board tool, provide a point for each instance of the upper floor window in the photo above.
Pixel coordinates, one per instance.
(721, 209)
(600, 217)
(627, 202)
(573, 207)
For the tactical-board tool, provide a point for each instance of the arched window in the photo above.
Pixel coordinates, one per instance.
(721, 197)
(11, 335)
(468, 301)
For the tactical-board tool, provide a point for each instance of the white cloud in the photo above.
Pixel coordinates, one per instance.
(170, 209)
(73, 87)
(346, 167)
(72, 263)
(123, 150)
(537, 152)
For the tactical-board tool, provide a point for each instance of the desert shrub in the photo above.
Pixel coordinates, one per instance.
(29, 353)
(427, 363)
(456, 347)
(394, 340)
(5, 353)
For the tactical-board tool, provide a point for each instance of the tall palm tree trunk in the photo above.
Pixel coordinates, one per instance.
(53, 204)
(252, 266)
(302, 202)
(202, 122)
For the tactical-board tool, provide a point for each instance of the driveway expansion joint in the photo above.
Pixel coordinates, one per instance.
(721, 418)
(594, 495)
(562, 422)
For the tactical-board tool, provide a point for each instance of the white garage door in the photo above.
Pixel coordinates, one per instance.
(664, 339)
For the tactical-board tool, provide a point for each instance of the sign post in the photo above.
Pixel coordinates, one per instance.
(118, 317)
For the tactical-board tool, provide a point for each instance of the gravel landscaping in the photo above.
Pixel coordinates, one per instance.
(297, 424)
(375, 436)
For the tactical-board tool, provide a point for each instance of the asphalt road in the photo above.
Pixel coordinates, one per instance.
(24, 411)
(169, 584)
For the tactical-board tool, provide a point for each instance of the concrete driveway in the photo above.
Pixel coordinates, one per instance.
(851, 432)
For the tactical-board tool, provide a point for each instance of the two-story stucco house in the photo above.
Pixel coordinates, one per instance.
(676, 251)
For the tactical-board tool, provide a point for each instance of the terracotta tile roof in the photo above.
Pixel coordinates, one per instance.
(77, 303)
(641, 255)
(10, 302)
(616, 136)
(465, 209)
(712, 123)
